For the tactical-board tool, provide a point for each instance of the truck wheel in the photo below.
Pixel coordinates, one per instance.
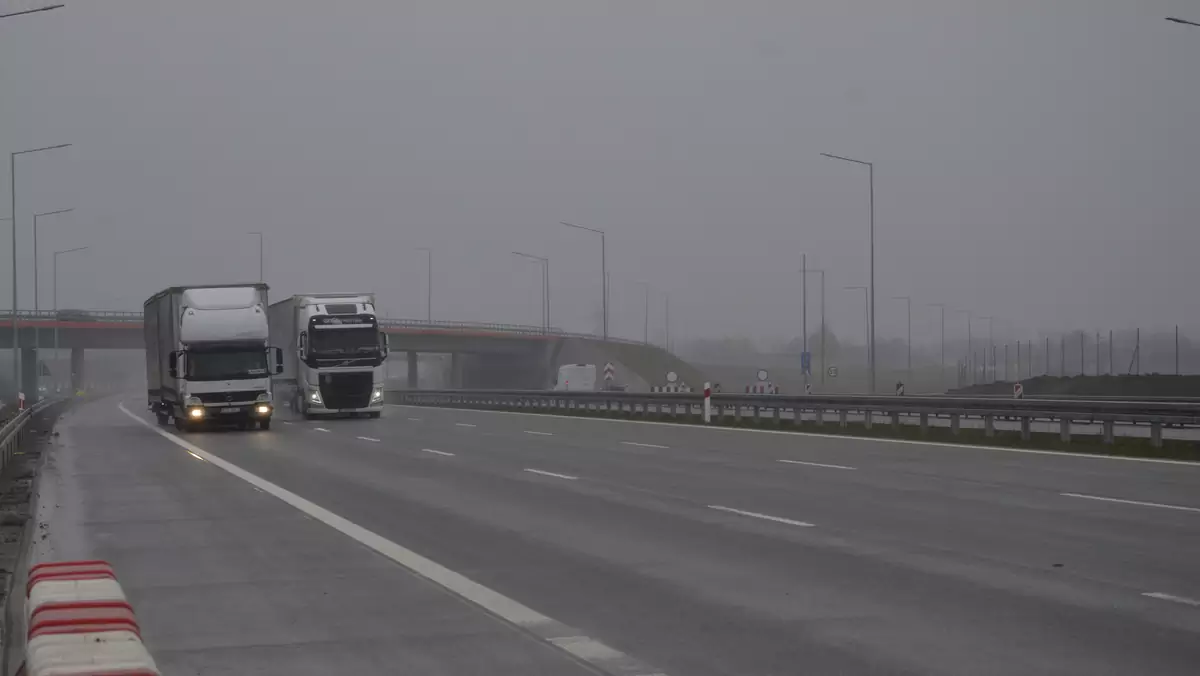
(163, 418)
(181, 424)
(265, 424)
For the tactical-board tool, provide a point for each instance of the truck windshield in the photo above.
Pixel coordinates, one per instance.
(240, 364)
(339, 341)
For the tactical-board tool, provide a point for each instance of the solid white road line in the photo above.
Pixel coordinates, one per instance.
(369, 439)
(815, 464)
(1132, 502)
(634, 443)
(547, 628)
(541, 434)
(756, 515)
(1173, 598)
(430, 450)
(557, 476)
(463, 425)
(320, 429)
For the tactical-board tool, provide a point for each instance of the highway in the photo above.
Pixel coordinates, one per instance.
(585, 546)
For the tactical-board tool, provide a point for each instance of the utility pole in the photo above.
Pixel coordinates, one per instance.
(1176, 349)
(1110, 353)
(1082, 370)
(908, 306)
(822, 273)
(646, 326)
(667, 321)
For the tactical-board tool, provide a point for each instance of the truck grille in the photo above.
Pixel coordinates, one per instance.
(346, 390)
(222, 397)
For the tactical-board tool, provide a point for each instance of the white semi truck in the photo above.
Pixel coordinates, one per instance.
(208, 358)
(333, 354)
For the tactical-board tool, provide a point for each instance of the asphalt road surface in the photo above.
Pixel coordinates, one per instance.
(561, 545)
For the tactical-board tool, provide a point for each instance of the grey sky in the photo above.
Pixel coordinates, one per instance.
(1036, 160)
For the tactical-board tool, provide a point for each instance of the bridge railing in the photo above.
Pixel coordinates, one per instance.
(736, 407)
(384, 322)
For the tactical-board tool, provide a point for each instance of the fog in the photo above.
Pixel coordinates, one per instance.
(1034, 162)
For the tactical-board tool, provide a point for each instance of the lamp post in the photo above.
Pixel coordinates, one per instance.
(908, 303)
(12, 172)
(545, 286)
(822, 273)
(871, 289)
(866, 301)
(646, 322)
(603, 271)
(428, 283)
(942, 311)
(260, 254)
(54, 293)
(37, 335)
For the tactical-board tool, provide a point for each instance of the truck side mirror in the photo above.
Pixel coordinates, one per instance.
(278, 360)
(173, 364)
(383, 342)
(302, 345)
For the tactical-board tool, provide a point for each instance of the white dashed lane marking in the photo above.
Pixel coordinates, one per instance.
(1131, 502)
(816, 464)
(369, 439)
(635, 443)
(756, 515)
(430, 450)
(463, 425)
(541, 434)
(320, 429)
(552, 474)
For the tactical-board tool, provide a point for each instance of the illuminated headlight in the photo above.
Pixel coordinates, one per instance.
(196, 413)
(193, 401)
(265, 396)
(377, 394)
(263, 409)
(315, 397)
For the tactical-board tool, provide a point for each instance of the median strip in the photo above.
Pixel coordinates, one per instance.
(1131, 502)
(756, 515)
(553, 474)
(815, 464)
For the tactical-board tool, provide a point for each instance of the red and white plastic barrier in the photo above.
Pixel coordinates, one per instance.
(81, 623)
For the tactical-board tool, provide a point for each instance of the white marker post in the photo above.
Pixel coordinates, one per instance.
(707, 402)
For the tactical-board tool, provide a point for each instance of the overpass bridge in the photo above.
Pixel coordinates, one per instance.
(483, 355)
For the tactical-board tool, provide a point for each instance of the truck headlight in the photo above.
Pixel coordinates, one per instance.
(196, 413)
(377, 394)
(263, 409)
(265, 396)
(315, 397)
(193, 401)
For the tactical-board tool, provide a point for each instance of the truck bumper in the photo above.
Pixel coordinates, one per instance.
(232, 414)
(313, 409)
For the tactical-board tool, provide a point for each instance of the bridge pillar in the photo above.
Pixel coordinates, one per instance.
(413, 382)
(77, 377)
(29, 373)
(456, 371)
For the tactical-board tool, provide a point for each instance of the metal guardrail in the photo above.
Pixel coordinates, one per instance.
(11, 433)
(1066, 412)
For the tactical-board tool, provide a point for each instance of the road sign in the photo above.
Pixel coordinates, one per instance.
(806, 362)
(899, 389)
(610, 371)
(831, 371)
(1018, 391)
(672, 376)
(762, 375)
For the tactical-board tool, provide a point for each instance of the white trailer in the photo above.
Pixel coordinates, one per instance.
(333, 354)
(208, 359)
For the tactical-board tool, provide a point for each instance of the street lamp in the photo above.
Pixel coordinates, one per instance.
(12, 172)
(545, 286)
(942, 311)
(428, 283)
(57, 364)
(908, 302)
(871, 290)
(603, 271)
(646, 324)
(866, 301)
(991, 346)
(822, 273)
(37, 335)
(31, 11)
(260, 254)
